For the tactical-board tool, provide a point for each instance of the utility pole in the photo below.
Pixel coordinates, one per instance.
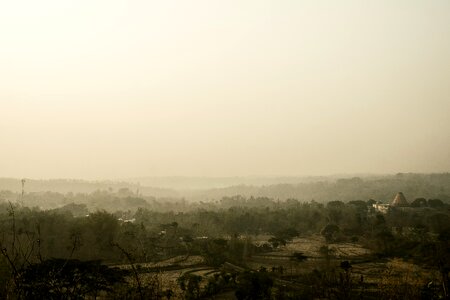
(23, 190)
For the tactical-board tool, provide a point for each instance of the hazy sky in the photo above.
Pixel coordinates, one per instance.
(110, 89)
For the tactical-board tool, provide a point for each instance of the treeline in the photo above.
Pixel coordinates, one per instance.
(35, 241)
(76, 186)
(129, 197)
(381, 188)
(320, 189)
(109, 200)
(230, 217)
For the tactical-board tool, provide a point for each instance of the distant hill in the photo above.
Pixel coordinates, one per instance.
(321, 189)
(80, 186)
(382, 188)
(203, 183)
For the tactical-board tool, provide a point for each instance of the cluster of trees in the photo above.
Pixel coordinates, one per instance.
(147, 229)
(38, 244)
(113, 196)
(433, 186)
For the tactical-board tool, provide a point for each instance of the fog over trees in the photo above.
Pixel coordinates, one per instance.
(211, 149)
(321, 189)
(115, 239)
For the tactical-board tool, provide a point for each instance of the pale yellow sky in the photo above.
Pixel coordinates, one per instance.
(115, 89)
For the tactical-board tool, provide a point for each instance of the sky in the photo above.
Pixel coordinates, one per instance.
(117, 89)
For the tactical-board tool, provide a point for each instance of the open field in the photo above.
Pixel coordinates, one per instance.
(376, 273)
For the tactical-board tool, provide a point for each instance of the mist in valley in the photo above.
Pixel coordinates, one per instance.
(224, 149)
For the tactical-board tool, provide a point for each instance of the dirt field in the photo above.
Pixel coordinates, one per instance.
(371, 269)
(381, 274)
(181, 261)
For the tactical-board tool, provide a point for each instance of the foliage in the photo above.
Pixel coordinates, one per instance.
(254, 285)
(218, 231)
(190, 285)
(66, 279)
(329, 231)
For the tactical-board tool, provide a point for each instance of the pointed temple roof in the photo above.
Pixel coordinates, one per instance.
(399, 200)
